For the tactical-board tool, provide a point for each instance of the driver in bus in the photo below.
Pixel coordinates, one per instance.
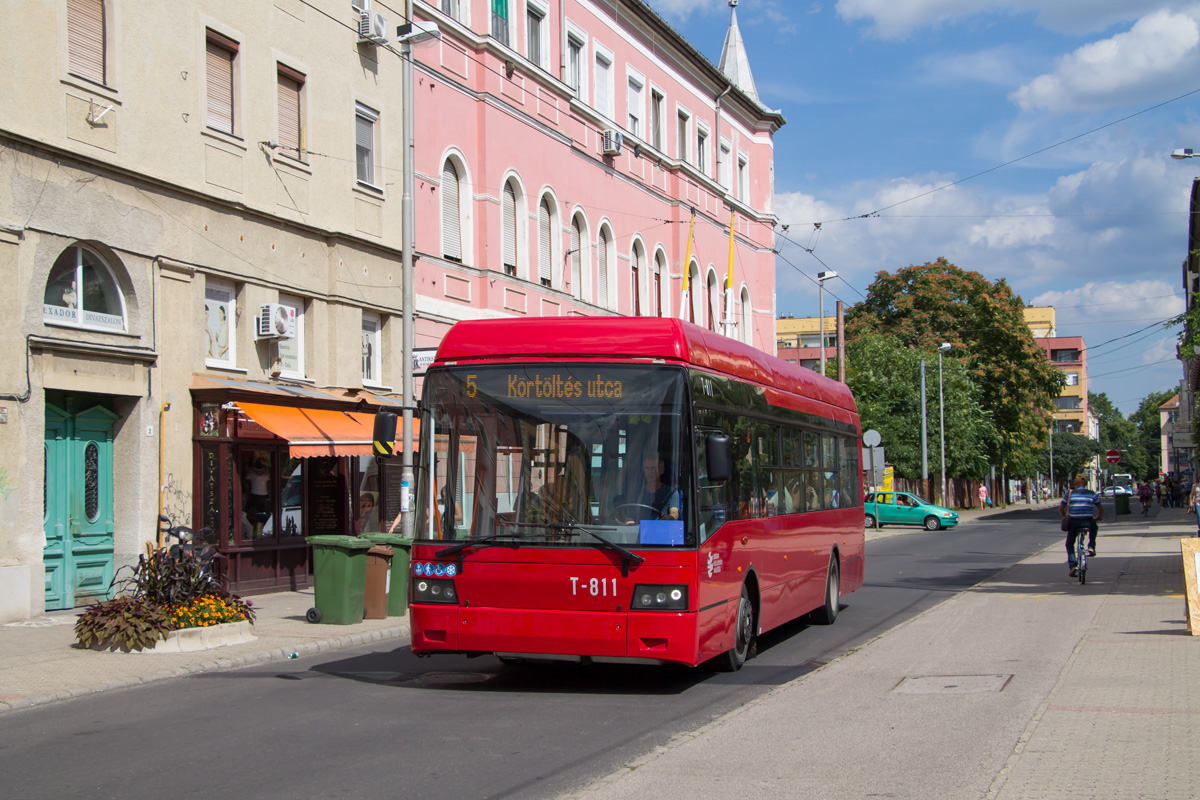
(655, 500)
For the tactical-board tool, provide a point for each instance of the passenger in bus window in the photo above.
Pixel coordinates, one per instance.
(655, 499)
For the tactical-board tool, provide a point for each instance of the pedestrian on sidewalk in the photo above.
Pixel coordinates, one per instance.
(1194, 505)
(1081, 509)
(1144, 496)
(983, 496)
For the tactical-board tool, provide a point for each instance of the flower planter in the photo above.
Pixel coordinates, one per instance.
(191, 640)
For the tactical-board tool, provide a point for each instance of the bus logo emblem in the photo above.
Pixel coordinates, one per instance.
(715, 564)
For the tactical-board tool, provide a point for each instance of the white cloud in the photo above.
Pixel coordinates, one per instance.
(1160, 50)
(1101, 303)
(998, 66)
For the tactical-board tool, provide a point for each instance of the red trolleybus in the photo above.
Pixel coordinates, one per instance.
(627, 489)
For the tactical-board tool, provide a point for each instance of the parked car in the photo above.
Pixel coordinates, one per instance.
(905, 508)
(1112, 491)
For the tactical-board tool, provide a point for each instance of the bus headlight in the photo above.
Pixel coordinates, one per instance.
(426, 590)
(659, 597)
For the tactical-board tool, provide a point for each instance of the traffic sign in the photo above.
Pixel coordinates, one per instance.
(1113, 456)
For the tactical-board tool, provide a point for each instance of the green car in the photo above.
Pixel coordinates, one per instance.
(903, 508)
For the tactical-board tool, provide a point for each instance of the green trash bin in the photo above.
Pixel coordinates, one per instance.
(1122, 501)
(339, 579)
(398, 578)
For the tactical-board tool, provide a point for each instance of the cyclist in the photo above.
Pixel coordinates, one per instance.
(1082, 510)
(1144, 496)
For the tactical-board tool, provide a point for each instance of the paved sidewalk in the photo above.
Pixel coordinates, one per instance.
(1028, 687)
(39, 664)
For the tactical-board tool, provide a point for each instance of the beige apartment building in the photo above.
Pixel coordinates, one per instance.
(186, 214)
(798, 340)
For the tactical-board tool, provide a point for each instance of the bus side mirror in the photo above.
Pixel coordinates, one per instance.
(384, 436)
(717, 457)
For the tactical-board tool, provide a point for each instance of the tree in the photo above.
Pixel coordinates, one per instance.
(1149, 432)
(984, 321)
(1072, 453)
(885, 378)
(1118, 433)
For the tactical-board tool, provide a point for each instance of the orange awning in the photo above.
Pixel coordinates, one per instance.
(318, 431)
(315, 431)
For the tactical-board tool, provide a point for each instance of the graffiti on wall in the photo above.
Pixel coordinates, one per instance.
(176, 501)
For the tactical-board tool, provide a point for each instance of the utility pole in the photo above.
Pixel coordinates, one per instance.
(924, 441)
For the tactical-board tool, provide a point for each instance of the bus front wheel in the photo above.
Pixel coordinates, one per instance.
(743, 636)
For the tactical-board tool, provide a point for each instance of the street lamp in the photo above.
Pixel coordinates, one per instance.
(821, 278)
(407, 35)
(942, 348)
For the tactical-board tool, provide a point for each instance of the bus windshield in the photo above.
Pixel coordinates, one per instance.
(556, 455)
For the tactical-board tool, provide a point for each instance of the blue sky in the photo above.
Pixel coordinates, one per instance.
(888, 99)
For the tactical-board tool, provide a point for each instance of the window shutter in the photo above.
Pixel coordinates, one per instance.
(364, 141)
(602, 266)
(602, 86)
(289, 114)
(508, 216)
(451, 232)
(576, 259)
(658, 270)
(544, 270)
(85, 39)
(220, 88)
(636, 270)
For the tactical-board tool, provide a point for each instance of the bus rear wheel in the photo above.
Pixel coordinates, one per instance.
(743, 636)
(826, 614)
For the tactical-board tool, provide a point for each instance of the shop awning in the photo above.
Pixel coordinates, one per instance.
(315, 431)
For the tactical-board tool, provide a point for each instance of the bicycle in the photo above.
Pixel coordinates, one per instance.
(1081, 551)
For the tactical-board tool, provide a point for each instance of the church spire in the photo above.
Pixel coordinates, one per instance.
(734, 63)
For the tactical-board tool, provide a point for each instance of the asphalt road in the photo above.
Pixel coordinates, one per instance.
(379, 722)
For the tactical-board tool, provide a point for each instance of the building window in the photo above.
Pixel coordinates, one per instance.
(82, 292)
(291, 126)
(452, 9)
(602, 248)
(221, 52)
(1067, 403)
(745, 316)
(743, 180)
(656, 119)
(1064, 356)
(534, 34)
(220, 326)
(712, 297)
(660, 268)
(372, 355)
(681, 135)
(545, 267)
(725, 167)
(508, 233)
(702, 150)
(635, 269)
(636, 113)
(1072, 378)
(291, 351)
(575, 65)
(577, 240)
(452, 248)
(365, 137)
(693, 281)
(603, 84)
(86, 39)
(500, 21)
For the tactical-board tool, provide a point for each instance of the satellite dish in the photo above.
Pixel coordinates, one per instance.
(872, 438)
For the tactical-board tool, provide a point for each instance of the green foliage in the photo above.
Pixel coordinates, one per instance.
(1072, 454)
(984, 321)
(885, 378)
(126, 623)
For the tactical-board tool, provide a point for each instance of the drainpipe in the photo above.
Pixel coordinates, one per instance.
(161, 439)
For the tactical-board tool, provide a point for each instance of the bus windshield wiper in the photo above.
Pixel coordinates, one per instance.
(486, 540)
(627, 557)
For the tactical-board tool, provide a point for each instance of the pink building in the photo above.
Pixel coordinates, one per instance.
(562, 149)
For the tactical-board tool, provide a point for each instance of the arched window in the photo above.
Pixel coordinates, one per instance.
(693, 290)
(635, 268)
(577, 241)
(451, 213)
(656, 287)
(712, 300)
(508, 220)
(545, 268)
(602, 249)
(744, 322)
(82, 292)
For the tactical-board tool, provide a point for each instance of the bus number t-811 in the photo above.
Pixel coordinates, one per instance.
(596, 587)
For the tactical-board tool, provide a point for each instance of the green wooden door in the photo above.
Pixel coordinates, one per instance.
(78, 514)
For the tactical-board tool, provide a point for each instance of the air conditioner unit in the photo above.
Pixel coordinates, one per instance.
(372, 27)
(611, 142)
(275, 321)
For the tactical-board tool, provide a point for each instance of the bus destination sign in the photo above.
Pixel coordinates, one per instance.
(543, 386)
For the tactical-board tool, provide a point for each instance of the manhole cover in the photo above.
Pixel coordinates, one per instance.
(450, 678)
(953, 684)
